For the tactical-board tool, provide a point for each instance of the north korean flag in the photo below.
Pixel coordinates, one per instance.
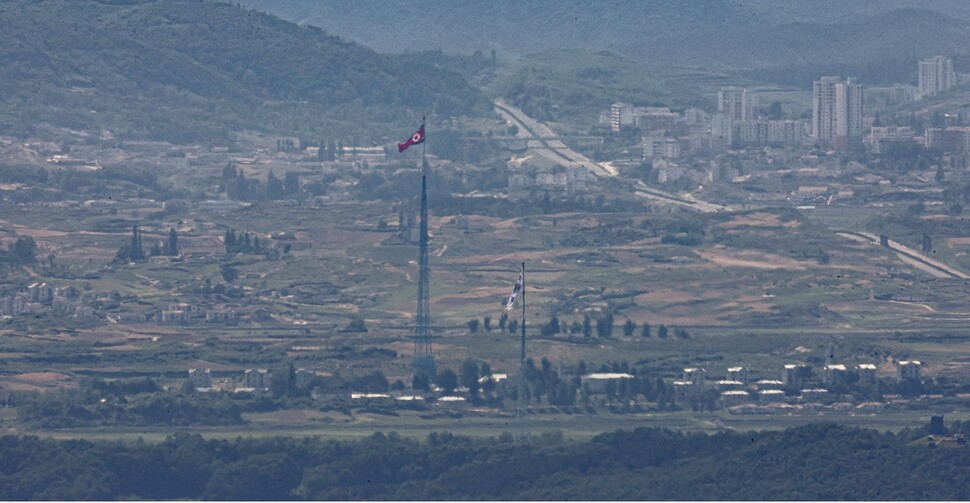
(415, 139)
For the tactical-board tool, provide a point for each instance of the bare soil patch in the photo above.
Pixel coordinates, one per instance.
(749, 258)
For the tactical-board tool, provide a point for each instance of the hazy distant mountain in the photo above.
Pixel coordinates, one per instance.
(721, 34)
(189, 71)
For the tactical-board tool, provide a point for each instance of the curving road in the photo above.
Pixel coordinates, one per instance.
(545, 142)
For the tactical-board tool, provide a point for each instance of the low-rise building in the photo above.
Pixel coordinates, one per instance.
(303, 378)
(694, 375)
(834, 374)
(727, 384)
(769, 384)
(908, 370)
(738, 374)
(257, 378)
(684, 390)
(867, 373)
(794, 375)
(771, 395)
(734, 397)
(814, 395)
(597, 382)
(200, 378)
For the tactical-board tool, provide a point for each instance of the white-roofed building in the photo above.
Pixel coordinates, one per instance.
(734, 397)
(771, 395)
(769, 384)
(727, 385)
(793, 375)
(814, 395)
(597, 381)
(908, 370)
(867, 373)
(834, 374)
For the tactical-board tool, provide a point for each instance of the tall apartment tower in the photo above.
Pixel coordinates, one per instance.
(737, 103)
(621, 114)
(935, 75)
(823, 109)
(837, 112)
(848, 114)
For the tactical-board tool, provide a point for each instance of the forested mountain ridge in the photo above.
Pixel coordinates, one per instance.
(191, 71)
(714, 34)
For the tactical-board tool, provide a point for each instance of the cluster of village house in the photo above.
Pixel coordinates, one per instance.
(251, 380)
(737, 392)
(39, 297)
(67, 301)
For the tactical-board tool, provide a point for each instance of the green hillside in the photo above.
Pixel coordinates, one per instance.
(197, 71)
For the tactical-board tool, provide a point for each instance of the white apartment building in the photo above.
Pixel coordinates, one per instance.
(837, 112)
(935, 75)
(621, 114)
(737, 103)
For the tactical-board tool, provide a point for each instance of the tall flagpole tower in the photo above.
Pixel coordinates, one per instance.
(423, 358)
(522, 410)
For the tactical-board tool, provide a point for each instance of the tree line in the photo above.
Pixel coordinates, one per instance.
(816, 462)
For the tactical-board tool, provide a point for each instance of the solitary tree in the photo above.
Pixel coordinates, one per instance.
(604, 326)
(662, 332)
(172, 246)
(136, 252)
(629, 327)
(229, 273)
(469, 376)
(645, 330)
(23, 251)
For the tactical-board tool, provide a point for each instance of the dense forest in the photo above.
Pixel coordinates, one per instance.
(820, 462)
(198, 71)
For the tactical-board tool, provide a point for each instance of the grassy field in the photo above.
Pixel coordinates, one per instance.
(578, 426)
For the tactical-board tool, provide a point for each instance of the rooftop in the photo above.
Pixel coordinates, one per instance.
(608, 375)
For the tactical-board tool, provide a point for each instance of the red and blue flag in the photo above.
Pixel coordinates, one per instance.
(415, 139)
